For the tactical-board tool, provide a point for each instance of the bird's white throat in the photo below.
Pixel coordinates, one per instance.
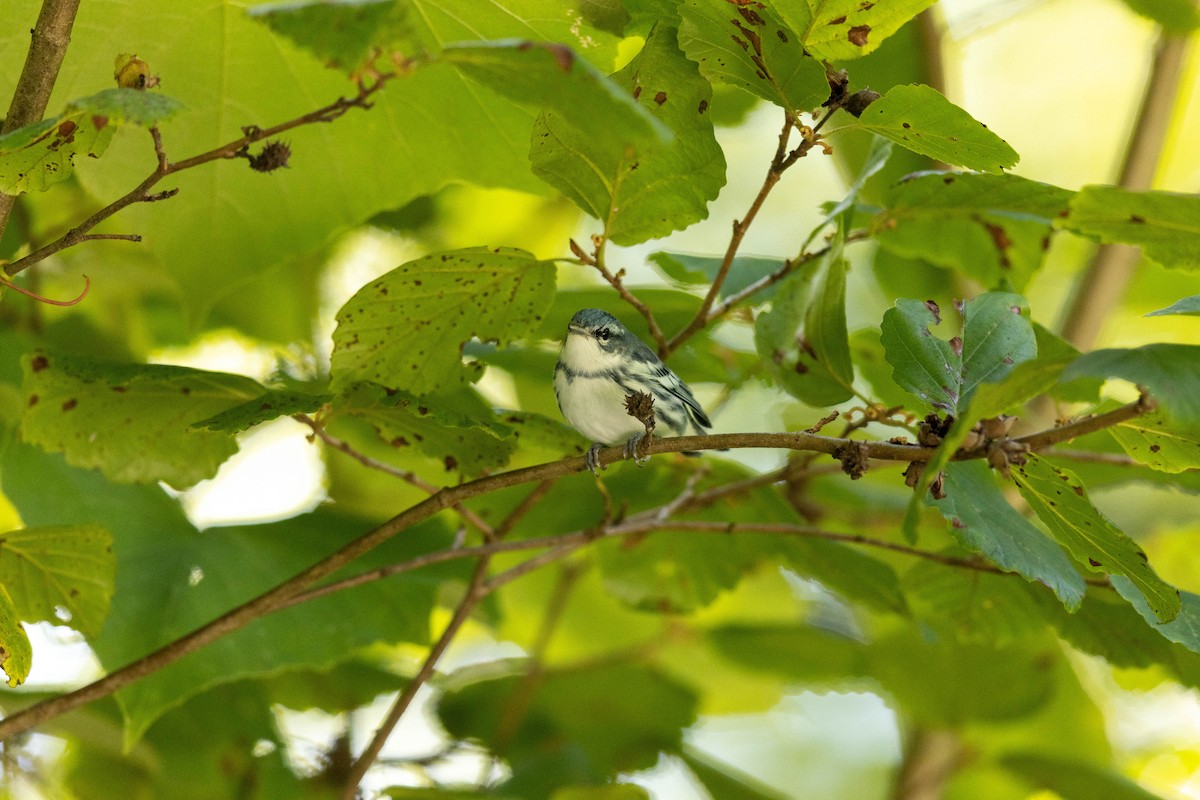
(582, 355)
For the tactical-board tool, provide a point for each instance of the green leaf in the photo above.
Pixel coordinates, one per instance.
(436, 425)
(273, 404)
(994, 228)
(781, 336)
(1153, 440)
(616, 791)
(837, 30)
(750, 47)
(131, 421)
(1176, 16)
(406, 329)
(644, 713)
(1073, 780)
(1171, 372)
(973, 606)
(16, 654)
(876, 159)
(726, 782)
(1189, 306)
(996, 336)
(922, 120)
(551, 76)
(640, 194)
(983, 522)
(692, 270)
(40, 155)
(1165, 225)
(1183, 630)
(342, 33)
(825, 317)
(60, 573)
(1060, 501)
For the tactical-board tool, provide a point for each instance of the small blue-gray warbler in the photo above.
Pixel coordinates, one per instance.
(600, 364)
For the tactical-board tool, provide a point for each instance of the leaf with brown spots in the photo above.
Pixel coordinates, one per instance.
(1061, 503)
(837, 30)
(131, 421)
(644, 192)
(1159, 442)
(457, 429)
(920, 119)
(758, 53)
(61, 574)
(1165, 225)
(37, 156)
(407, 329)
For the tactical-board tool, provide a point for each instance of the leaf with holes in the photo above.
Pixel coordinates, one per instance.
(455, 429)
(131, 421)
(16, 653)
(639, 194)
(406, 329)
(996, 336)
(920, 119)
(1061, 502)
(750, 47)
(60, 573)
(40, 155)
(993, 228)
(1165, 225)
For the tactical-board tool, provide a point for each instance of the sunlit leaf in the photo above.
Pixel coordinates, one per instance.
(750, 47)
(1060, 501)
(406, 329)
(1176, 16)
(920, 119)
(1153, 440)
(1074, 779)
(837, 30)
(16, 654)
(39, 155)
(342, 33)
(60, 573)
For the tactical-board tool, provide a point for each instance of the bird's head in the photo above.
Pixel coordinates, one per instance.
(595, 341)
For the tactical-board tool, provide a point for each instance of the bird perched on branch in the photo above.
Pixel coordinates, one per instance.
(600, 369)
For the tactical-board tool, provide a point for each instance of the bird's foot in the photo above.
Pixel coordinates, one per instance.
(592, 458)
(631, 448)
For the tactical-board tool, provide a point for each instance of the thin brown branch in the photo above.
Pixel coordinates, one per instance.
(1100, 288)
(382, 466)
(284, 594)
(233, 149)
(476, 591)
(597, 259)
(48, 43)
(87, 284)
(1081, 427)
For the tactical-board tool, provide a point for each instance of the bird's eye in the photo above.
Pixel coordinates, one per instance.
(603, 334)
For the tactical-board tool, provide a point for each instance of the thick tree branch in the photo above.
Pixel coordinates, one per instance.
(48, 43)
(285, 593)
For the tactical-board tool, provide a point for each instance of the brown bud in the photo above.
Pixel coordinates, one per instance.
(273, 156)
(857, 103)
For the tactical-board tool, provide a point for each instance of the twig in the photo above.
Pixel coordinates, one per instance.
(597, 260)
(382, 466)
(141, 193)
(87, 284)
(47, 47)
(1100, 288)
(283, 594)
(476, 591)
